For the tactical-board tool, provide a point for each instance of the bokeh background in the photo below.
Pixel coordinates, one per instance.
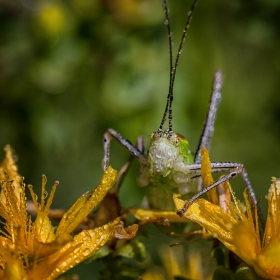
(71, 69)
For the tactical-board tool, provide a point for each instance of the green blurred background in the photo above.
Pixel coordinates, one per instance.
(71, 69)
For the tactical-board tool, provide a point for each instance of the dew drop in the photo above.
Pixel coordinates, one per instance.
(86, 252)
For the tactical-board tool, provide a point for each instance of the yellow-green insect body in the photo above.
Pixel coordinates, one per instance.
(167, 170)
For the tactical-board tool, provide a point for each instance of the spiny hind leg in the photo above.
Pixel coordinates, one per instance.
(209, 123)
(207, 133)
(247, 182)
(208, 130)
(111, 134)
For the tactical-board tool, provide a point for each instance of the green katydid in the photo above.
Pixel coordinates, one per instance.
(168, 163)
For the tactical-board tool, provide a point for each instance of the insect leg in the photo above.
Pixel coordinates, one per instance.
(195, 168)
(238, 170)
(247, 182)
(225, 166)
(112, 134)
(243, 174)
(208, 128)
(123, 171)
(218, 167)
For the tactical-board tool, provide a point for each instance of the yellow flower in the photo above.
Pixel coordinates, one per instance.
(37, 250)
(239, 231)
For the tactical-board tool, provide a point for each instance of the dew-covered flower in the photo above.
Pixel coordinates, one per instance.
(38, 250)
(238, 230)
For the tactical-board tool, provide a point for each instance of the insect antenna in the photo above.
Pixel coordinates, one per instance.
(173, 68)
(171, 56)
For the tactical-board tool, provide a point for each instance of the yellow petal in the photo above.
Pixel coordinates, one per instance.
(83, 206)
(206, 174)
(14, 270)
(147, 215)
(9, 169)
(41, 249)
(244, 238)
(268, 265)
(212, 217)
(83, 246)
(43, 228)
(272, 228)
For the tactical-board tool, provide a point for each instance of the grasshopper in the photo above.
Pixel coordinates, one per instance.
(168, 165)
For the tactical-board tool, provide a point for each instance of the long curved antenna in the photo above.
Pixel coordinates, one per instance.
(165, 8)
(173, 69)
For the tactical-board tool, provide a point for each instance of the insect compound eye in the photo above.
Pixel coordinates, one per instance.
(177, 141)
(152, 136)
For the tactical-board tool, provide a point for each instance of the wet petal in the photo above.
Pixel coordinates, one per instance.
(146, 215)
(268, 265)
(83, 246)
(82, 207)
(206, 174)
(212, 217)
(9, 169)
(243, 234)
